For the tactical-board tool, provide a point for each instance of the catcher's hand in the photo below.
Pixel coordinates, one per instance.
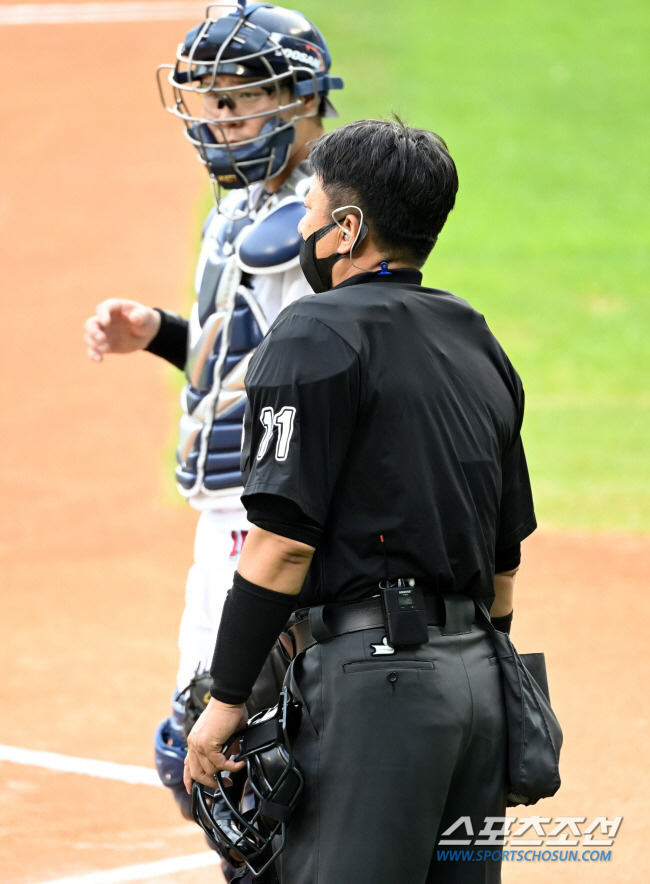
(120, 326)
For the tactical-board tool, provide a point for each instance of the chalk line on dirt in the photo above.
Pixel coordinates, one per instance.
(143, 871)
(106, 770)
(93, 13)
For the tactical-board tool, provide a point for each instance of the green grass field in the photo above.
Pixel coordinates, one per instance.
(546, 110)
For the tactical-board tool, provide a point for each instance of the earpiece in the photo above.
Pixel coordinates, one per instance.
(361, 233)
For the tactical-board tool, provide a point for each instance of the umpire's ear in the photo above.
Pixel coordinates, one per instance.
(353, 231)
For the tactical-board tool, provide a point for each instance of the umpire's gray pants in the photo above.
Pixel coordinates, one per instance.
(394, 749)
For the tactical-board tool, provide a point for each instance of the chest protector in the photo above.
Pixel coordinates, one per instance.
(228, 322)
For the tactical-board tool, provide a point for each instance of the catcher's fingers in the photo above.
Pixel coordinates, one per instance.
(98, 327)
(114, 308)
(120, 326)
(95, 339)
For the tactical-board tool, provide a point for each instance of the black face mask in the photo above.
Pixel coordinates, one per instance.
(318, 271)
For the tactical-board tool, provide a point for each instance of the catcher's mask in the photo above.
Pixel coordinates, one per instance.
(254, 836)
(280, 53)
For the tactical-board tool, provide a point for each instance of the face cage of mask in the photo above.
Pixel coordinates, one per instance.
(246, 836)
(188, 71)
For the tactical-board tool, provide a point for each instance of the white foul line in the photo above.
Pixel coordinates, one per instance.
(106, 770)
(143, 871)
(124, 773)
(80, 13)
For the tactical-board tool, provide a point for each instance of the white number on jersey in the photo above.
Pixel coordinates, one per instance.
(283, 420)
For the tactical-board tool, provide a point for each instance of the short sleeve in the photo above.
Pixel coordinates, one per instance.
(283, 517)
(303, 389)
(516, 513)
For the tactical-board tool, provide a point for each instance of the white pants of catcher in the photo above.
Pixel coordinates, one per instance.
(217, 545)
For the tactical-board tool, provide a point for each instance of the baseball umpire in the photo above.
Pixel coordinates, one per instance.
(388, 489)
(251, 89)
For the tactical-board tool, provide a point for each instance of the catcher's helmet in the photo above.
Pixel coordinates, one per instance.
(275, 49)
(254, 835)
(171, 746)
(170, 752)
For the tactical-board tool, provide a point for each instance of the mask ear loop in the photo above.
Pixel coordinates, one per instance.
(362, 232)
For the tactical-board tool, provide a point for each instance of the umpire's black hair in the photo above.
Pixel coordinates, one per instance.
(403, 179)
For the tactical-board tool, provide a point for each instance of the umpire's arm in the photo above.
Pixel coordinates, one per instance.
(271, 572)
(503, 604)
(276, 562)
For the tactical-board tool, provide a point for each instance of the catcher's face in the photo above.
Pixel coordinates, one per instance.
(234, 98)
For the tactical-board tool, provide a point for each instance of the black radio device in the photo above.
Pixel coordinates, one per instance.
(405, 615)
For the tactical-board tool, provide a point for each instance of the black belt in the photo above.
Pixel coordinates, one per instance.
(328, 621)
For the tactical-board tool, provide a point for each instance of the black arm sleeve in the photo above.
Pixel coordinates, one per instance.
(503, 624)
(171, 341)
(252, 619)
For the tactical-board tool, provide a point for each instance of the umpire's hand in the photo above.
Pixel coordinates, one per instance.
(216, 724)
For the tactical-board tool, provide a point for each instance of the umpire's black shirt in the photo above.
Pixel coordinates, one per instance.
(385, 409)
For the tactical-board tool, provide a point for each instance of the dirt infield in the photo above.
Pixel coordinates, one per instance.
(99, 198)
